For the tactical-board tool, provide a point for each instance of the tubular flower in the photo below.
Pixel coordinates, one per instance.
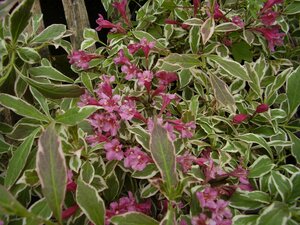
(121, 7)
(268, 17)
(262, 108)
(127, 109)
(270, 3)
(113, 150)
(136, 159)
(238, 21)
(105, 24)
(239, 118)
(272, 35)
(145, 45)
(81, 59)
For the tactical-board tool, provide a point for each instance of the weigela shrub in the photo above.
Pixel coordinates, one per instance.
(188, 116)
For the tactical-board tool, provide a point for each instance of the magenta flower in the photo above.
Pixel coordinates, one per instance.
(130, 70)
(272, 35)
(81, 59)
(105, 122)
(121, 58)
(186, 161)
(71, 185)
(202, 219)
(270, 3)
(121, 7)
(87, 99)
(110, 104)
(166, 100)
(136, 159)
(126, 204)
(221, 211)
(113, 150)
(196, 4)
(268, 17)
(207, 198)
(97, 138)
(104, 88)
(239, 118)
(238, 21)
(145, 79)
(186, 129)
(145, 45)
(127, 109)
(105, 24)
(165, 78)
(69, 212)
(242, 174)
(262, 108)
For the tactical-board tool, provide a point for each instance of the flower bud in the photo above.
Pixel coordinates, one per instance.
(239, 118)
(262, 108)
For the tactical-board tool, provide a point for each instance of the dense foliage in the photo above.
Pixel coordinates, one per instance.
(187, 115)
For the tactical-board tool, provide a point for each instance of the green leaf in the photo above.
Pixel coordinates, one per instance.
(141, 136)
(295, 194)
(41, 209)
(21, 107)
(90, 202)
(148, 172)
(40, 99)
(194, 39)
(170, 217)
(184, 61)
(50, 73)
(133, 218)
(282, 184)
(295, 149)
(51, 33)
(277, 213)
(163, 153)
(18, 160)
(293, 95)
(246, 200)
(113, 185)
(4, 147)
(292, 8)
(241, 51)
(245, 220)
(76, 115)
(207, 29)
(51, 169)
(253, 138)
(55, 91)
(185, 77)
(28, 55)
(231, 67)
(226, 27)
(222, 94)
(261, 166)
(19, 19)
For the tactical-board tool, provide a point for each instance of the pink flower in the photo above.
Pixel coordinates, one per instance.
(269, 4)
(239, 118)
(81, 59)
(175, 22)
(130, 70)
(272, 35)
(1, 222)
(136, 159)
(87, 99)
(202, 219)
(97, 138)
(110, 104)
(105, 24)
(104, 88)
(113, 150)
(144, 45)
(105, 122)
(121, 7)
(242, 174)
(71, 185)
(221, 211)
(121, 58)
(126, 204)
(127, 109)
(186, 129)
(268, 17)
(238, 21)
(262, 108)
(69, 212)
(145, 79)
(186, 161)
(166, 100)
(165, 78)
(207, 198)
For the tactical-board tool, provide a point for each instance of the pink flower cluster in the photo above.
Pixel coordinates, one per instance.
(126, 204)
(270, 32)
(105, 24)
(81, 59)
(218, 208)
